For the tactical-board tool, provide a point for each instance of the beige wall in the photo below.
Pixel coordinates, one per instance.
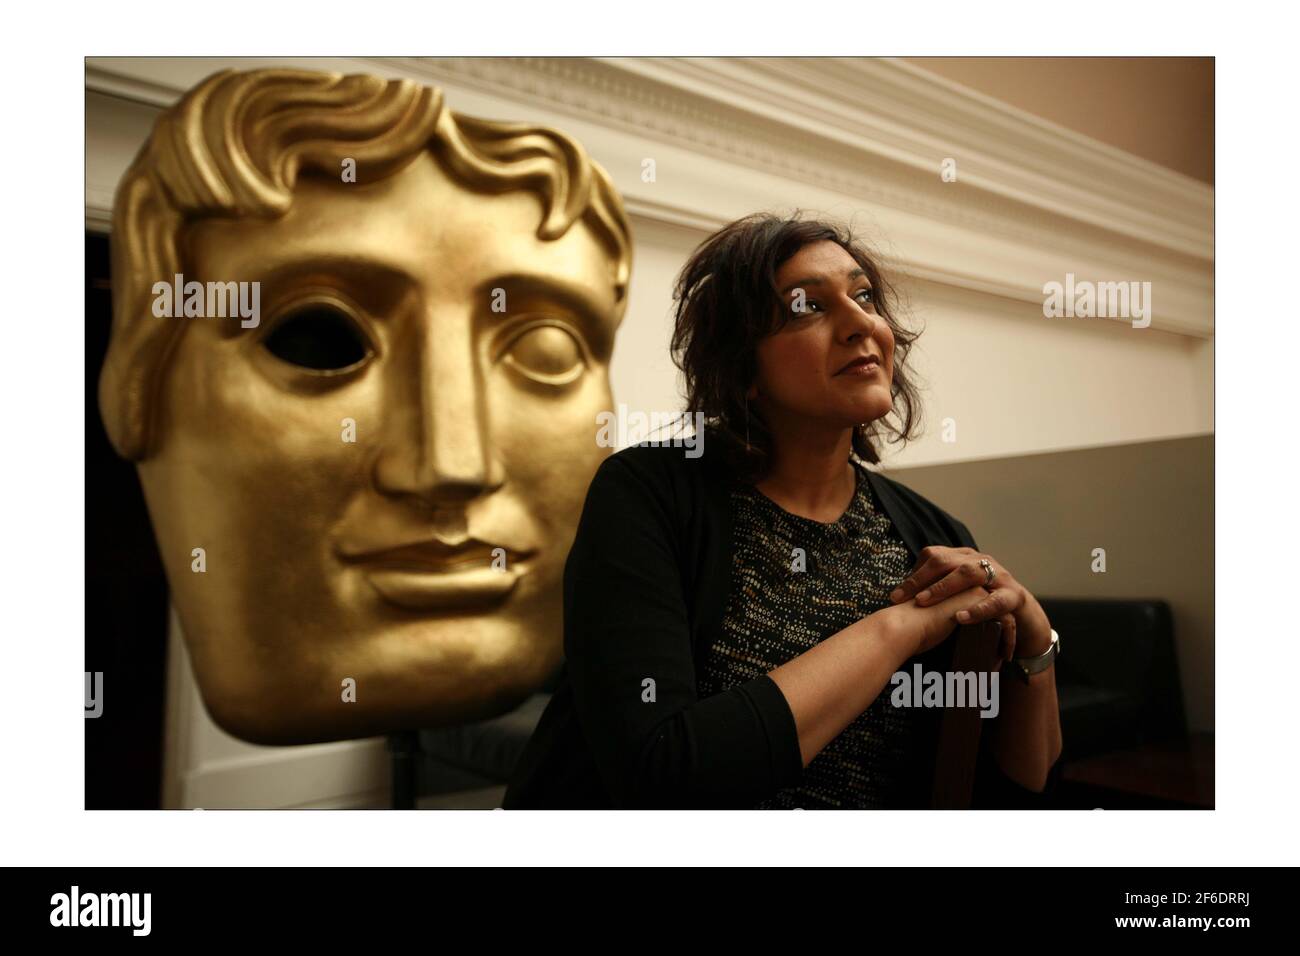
(1159, 108)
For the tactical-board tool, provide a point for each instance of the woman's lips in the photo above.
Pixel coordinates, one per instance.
(860, 367)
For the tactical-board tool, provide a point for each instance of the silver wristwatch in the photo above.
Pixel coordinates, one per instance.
(1025, 667)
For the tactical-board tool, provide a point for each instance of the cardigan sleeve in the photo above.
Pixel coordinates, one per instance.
(628, 651)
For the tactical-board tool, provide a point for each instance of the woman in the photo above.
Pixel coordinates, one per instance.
(732, 621)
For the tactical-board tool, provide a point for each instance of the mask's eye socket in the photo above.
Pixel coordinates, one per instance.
(318, 337)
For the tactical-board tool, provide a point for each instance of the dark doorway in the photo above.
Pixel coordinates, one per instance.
(126, 594)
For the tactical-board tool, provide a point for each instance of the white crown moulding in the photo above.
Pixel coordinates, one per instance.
(859, 138)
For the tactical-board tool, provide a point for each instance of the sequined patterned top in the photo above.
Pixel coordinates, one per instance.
(783, 601)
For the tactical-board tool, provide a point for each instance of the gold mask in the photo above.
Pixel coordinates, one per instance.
(363, 495)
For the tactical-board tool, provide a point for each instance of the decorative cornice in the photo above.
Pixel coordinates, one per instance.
(1032, 201)
(917, 118)
(774, 111)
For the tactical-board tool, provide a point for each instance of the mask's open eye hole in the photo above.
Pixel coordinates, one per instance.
(319, 337)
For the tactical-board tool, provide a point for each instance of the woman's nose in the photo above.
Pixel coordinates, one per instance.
(859, 324)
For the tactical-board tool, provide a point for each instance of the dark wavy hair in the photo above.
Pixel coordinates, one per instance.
(727, 300)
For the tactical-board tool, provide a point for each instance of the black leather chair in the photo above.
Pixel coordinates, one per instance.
(1117, 675)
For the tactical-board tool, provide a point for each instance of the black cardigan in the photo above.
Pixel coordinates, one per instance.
(645, 588)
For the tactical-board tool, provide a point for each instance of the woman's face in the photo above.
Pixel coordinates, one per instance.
(801, 368)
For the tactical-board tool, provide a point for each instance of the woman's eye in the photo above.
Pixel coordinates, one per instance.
(547, 354)
(811, 306)
(318, 337)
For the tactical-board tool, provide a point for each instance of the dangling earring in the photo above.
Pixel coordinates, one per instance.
(747, 423)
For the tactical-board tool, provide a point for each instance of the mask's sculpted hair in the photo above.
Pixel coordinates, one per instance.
(235, 146)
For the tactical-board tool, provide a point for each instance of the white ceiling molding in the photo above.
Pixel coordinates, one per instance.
(861, 139)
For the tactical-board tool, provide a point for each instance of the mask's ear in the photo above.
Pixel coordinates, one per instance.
(143, 248)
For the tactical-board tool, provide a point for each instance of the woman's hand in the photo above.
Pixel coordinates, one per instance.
(912, 629)
(941, 572)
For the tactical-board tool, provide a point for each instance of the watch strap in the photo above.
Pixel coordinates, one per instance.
(1026, 667)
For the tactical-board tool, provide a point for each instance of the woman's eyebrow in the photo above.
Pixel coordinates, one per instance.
(821, 280)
